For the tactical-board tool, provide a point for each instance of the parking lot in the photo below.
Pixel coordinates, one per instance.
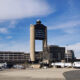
(39, 74)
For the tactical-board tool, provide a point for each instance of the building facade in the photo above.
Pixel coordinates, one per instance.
(38, 56)
(12, 57)
(54, 53)
(69, 56)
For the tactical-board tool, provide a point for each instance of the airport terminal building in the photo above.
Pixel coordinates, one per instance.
(50, 53)
(12, 57)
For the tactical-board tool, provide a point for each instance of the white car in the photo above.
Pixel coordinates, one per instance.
(68, 64)
(18, 66)
(76, 64)
(58, 64)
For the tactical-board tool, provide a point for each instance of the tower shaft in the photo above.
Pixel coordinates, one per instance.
(32, 43)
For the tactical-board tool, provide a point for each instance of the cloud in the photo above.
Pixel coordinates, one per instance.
(9, 37)
(69, 19)
(3, 30)
(75, 46)
(12, 24)
(5, 26)
(69, 24)
(68, 27)
(15, 9)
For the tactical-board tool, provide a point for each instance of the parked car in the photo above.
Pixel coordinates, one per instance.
(76, 64)
(68, 65)
(58, 64)
(18, 66)
(3, 66)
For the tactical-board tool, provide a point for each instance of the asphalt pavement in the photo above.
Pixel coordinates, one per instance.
(72, 75)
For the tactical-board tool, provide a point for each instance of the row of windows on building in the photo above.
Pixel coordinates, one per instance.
(52, 53)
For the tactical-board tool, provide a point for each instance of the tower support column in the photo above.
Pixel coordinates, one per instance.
(32, 43)
(45, 40)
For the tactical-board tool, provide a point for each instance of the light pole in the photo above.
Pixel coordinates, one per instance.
(67, 52)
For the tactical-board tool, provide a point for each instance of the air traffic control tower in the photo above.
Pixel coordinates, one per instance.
(37, 32)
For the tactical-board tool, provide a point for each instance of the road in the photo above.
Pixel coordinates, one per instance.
(72, 75)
